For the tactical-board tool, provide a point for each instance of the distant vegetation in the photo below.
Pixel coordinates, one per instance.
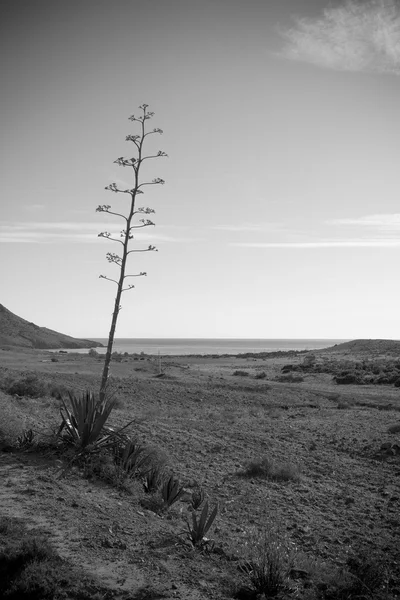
(378, 371)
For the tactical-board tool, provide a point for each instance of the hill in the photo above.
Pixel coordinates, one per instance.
(15, 331)
(374, 347)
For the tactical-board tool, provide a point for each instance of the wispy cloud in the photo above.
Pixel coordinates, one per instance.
(379, 222)
(357, 36)
(34, 207)
(367, 231)
(255, 227)
(351, 243)
(84, 232)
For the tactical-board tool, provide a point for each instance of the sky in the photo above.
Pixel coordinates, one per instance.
(280, 215)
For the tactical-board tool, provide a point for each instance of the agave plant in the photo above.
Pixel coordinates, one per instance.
(171, 491)
(130, 456)
(26, 439)
(84, 425)
(200, 526)
(198, 497)
(152, 480)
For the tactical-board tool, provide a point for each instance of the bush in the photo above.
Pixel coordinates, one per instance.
(267, 469)
(394, 428)
(365, 576)
(30, 569)
(261, 375)
(29, 385)
(269, 564)
(240, 373)
(290, 378)
(348, 378)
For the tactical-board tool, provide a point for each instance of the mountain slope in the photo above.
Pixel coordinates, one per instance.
(15, 331)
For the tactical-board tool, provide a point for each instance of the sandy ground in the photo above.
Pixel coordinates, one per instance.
(210, 424)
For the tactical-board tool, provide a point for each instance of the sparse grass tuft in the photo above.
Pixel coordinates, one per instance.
(268, 469)
(270, 560)
(240, 373)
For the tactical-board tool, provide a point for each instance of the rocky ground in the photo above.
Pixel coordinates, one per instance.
(341, 495)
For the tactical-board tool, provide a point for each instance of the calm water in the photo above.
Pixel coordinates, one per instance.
(179, 346)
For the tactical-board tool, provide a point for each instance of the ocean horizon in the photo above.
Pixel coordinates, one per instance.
(203, 346)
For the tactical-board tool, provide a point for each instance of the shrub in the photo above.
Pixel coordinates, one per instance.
(267, 469)
(93, 353)
(29, 385)
(365, 576)
(261, 375)
(348, 378)
(270, 562)
(394, 428)
(240, 373)
(30, 569)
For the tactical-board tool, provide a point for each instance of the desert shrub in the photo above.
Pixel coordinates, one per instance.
(288, 368)
(346, 378)
(29, 385)
(270, 560)
(365, 576)
(267, 469)
(240, 373)
(93, 353)
(290, 378)
(30, 569)
(394, 428)
(261, 375)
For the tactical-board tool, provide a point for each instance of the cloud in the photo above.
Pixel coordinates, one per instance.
(351, 243)
(368, 231)
(357, 36)
(34, 207)
(379, 222)
(256, 227)
(84, 232)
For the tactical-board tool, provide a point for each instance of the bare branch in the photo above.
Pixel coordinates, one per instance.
(156, 181)
(149, 249)
(107, 236)
(108, 279)
(159, 154)
(106, 208)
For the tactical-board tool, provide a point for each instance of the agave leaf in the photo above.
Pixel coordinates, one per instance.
(211, 519)
(202, 519)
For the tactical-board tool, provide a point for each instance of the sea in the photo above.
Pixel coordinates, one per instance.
(203, 346)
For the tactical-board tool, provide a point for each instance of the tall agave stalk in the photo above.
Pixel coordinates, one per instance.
(130, 224)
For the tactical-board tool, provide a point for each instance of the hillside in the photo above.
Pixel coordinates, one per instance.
(374, 347)
(15, 331)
